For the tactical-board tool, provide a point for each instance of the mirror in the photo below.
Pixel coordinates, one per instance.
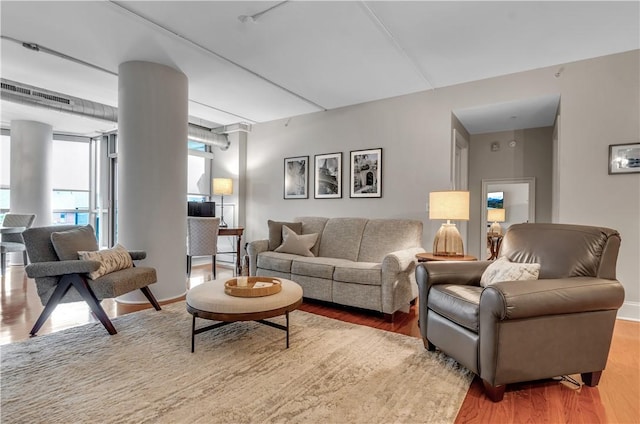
(515, 195)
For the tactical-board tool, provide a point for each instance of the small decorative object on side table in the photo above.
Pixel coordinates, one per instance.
(494, 241)
(428, 257)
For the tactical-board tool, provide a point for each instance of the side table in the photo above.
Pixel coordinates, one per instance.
(428, 257)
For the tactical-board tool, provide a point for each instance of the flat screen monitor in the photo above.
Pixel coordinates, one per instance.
(205, 209)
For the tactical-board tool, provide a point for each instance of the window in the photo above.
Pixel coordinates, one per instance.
(70, 199)
(5, 174)
(199, 164)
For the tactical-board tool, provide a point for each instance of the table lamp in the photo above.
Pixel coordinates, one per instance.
(497, 216)
(222, 187)
(448, 205)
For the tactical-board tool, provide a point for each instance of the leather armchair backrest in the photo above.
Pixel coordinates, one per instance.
(564, 250)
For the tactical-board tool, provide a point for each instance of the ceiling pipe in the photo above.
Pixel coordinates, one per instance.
(34, 96)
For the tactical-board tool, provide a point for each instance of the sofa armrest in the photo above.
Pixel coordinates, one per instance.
(57, 268)
(526, 299)
(253, 249)
(137, 255)
(398, 279)
(400, 260)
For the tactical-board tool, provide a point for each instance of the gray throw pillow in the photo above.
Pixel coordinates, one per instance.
(275, 232)
(68, 243)
(297, 244)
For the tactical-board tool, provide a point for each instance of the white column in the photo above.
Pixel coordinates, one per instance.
(31, 168)
(152, 172)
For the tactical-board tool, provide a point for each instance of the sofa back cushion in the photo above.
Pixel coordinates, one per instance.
(341, 238)
(313, 225)
(382, 236)
(563, 250)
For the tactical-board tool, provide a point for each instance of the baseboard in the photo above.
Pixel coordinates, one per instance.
(629, 311)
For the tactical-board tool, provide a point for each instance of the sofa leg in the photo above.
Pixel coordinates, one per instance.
(495, 393)
(591, 379)
(428, 345)
(389, 317)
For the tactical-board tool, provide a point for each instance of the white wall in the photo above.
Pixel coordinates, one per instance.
(599, 106)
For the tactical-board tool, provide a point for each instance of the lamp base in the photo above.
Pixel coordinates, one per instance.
(495, 229)
(448, 241)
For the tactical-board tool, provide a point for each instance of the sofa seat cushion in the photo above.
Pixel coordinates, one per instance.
(459, 304)
(274, 261)
(316, 267)
(369, 273)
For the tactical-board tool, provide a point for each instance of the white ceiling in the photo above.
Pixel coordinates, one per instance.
(301, 56)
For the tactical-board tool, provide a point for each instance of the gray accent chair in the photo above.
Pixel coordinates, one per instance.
(517, 331)
(61, 281)
(202, 240)
(13, 242)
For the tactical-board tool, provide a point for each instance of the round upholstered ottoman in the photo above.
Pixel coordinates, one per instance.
(209, 301)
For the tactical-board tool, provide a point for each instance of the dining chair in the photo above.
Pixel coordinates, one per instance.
(13, 241)
(202, 240)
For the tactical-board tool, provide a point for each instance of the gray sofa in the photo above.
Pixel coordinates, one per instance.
(365, 263)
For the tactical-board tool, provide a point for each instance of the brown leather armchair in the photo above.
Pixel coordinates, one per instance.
(515, 331)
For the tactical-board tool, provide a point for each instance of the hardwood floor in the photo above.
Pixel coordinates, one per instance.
(615, 400)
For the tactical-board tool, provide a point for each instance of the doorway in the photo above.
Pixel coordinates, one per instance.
(517, 196)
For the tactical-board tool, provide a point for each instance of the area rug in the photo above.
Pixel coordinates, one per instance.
(334, 372)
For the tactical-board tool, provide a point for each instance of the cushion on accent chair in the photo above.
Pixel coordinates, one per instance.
(296, 244)
(505, 270)
(111, 260)
(68, 243)
(275, 232)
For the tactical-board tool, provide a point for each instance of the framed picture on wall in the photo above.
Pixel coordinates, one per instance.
(624, 158)
(328, 176)
(365, 173)
(296, 177)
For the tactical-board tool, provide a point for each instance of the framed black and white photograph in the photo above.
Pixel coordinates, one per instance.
(296, 177)
(328, 176)
(366, 173)
(624, 158)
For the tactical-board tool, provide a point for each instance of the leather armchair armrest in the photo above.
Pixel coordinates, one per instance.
(526, 299)
(466, 273)
(137, 255)
(57, 268)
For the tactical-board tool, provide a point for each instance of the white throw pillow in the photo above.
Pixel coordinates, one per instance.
(111, 260)
(296, 244)
(505, 270)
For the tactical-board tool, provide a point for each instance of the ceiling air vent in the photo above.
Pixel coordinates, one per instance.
(51, 98)
(14, 88)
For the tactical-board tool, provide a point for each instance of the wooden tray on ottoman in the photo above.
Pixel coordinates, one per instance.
(268, 287)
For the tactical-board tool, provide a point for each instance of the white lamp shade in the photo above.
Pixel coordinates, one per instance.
(222, 186)
(496, 215)
(449, 205)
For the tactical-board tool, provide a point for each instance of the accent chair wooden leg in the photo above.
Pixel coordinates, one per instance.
(495, 393)
(25, 259)
(147, 293)
(80, 284)
(188, 266)
(60, 290)
(3, 263)
(213, 266)
(591, 379)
